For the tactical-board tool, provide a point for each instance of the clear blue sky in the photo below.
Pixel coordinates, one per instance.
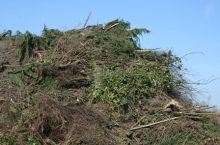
(183, 26)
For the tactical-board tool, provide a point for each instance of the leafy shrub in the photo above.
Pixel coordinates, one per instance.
(26, 44)
(50, 36)
(27, 78)
(7, 140)
(23, 76)
(5, 33)
(33, 140)
(130, 85)
(115, 40)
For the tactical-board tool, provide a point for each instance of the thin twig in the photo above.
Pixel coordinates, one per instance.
(205, 113)
(138, 121)
(187, 137)
(11, 66)
(198, 108)
(111, 27)
(193, 117)
(152, 124)
(87, 20)
(203, 108)
(206, 82)
(58, 42)
(14, 65)
(38, 134)
(195, 52)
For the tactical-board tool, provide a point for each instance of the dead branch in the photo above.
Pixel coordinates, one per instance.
(152, 124)
(203, 108)
(143, 50)
(205, 113)
(205, 82)
(138, 121)
(87, 19)
(23, 65)
(196, 52)
(193, 117)
(11, 66)
(111, 27)
(197, 108)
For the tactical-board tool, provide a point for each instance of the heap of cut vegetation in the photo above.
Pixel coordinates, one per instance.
(96, 85)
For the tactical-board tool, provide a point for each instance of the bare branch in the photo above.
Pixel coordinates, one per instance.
(195, 52)
(87, 20)
(111, 27)
(206, 82)
(152, 124)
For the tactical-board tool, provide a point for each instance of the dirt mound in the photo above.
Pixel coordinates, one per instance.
(68, 124)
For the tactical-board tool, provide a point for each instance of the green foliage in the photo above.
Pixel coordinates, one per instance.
(123, 86)
(7, 140)
(11, 115)
(50, 36)
(33, 140)
(7, 33)
(24, 75)
(26, 44)
(116, 39)
(27, 77)
(18, 33)
(48, 84)
(16, 79)
(174, 138)
(211, 129)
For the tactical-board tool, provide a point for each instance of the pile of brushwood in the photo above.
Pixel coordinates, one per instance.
(95, 85)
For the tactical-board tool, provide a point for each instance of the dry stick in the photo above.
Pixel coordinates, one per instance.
(208, 113)
(89, 104)
(195, 52)
(138, 121)
(197, 110)
(15, 65)
(202, 83)
(187, 137)
(49, 141)
(193, 117)
(41, 137)
(111, 27)
(204, 108)
(87, 19)
(58, 42)
(152, 124)
(23, 65)
(200, 108)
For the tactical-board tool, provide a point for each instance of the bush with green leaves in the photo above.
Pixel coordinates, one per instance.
(7, 140)
(28, 80)
(50, 36)
(26, 44)
(127, 86)
(5, 33)
(33, 140)
(115, 40)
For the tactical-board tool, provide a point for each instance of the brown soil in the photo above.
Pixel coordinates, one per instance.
(69, 124)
